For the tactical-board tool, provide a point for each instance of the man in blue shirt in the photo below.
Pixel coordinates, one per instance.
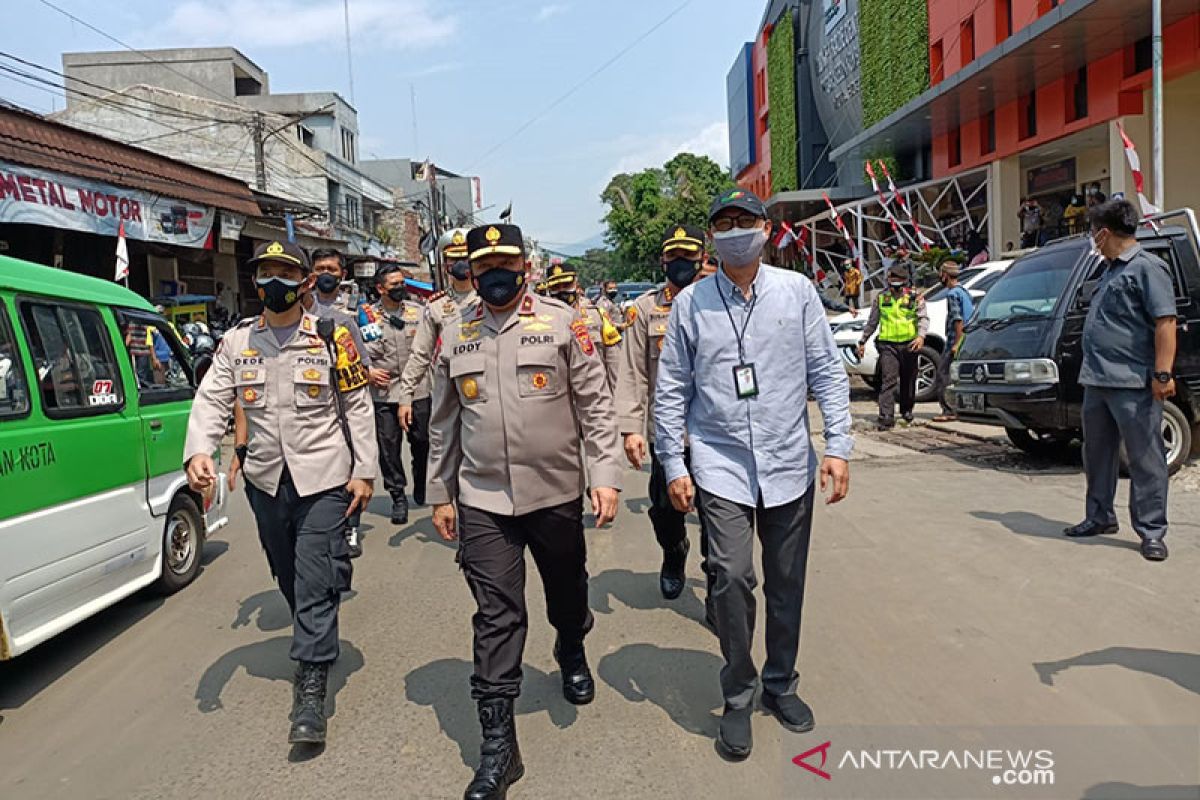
(742, 351)
(1128, 355)
(959, 308)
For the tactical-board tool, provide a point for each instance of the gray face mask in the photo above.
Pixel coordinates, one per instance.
(738, 248)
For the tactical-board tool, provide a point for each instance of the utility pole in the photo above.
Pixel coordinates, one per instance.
(1156, 135)
(349, 58)
(260, 161)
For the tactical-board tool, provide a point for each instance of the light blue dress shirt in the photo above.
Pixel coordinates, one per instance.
(759, 447)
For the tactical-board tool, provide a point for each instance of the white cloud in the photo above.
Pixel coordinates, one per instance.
(550, 10)
(643, 152)
(255, 24)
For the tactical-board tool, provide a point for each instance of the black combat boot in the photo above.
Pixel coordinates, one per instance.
(672, 579)
(578, 687)
(399, 510)
(308, 704)
(499, 756)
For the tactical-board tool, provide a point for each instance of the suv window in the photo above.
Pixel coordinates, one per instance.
(1164, 251)
(161, 363)
(77, 373)
(14, 390)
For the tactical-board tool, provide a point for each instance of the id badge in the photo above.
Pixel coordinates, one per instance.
(745, 380)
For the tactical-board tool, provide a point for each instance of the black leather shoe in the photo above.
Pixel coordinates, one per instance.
(1089, 528)
(399, 510)
(1154, 550)
(578, 686)
(500, 758)
(792, 712)
(885, 425)
(734, 737)
(672, 578)
(308, 704)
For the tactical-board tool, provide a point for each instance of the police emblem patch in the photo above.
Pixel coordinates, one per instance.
(249, 396)
(470, 388)
(540, 380)
(314, 391)
(311, 375)
(580, 329)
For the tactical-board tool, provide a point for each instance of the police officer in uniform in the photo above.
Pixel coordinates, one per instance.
(391, 326)
(521, 416)
(900, 317)
(309, 462)
(1129, 343)
(440, 307)
(682, 255)
(607, 302)
(563, 285)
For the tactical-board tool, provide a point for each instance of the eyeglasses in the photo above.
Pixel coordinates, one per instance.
(743, 221)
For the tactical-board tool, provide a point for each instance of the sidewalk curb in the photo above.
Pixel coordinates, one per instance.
(945, 428)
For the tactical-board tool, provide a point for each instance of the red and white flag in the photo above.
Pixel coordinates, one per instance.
(925, 241)
(887, 209)
(783, 237)
(841, 226)
(122, 255)
(1135, 166)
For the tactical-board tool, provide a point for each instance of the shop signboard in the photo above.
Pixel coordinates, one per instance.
(32, 196)
(1049, 177)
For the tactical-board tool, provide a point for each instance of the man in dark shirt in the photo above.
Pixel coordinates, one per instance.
(1128, 355)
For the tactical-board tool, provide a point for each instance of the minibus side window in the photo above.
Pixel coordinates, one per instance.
(76, 372)
(160, 361)
(14, 390)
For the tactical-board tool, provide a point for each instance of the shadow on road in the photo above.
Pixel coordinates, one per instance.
(1029, 524)
(637, 505)
(1183, 669)
(269, 660)
(639, 590)
(269, 611)
(213, 549)
(1127, 791)
(423, 531)
(683, 683)
(445, 686)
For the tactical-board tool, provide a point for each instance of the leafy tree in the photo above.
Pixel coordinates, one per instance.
(643, 205)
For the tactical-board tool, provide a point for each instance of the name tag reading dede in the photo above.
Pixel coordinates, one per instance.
(745, 381)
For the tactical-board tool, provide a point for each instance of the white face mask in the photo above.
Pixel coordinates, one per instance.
(739, 247)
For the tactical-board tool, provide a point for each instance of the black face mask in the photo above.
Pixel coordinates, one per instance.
(277, 294)
(499, 287)
(460, 270)
(567, 297)
(397, 294)
(681, 272)
(326, 282)
(613, 294)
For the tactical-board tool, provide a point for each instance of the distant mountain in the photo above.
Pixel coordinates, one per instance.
(579, 248)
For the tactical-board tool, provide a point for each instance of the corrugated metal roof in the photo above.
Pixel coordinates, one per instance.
(30, 139)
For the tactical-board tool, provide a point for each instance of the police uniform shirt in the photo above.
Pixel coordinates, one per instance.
(604, 334)
(287, 393)
(441, 307)
(639, 361)
(1118, 335)
(389, 338)
(520, 408)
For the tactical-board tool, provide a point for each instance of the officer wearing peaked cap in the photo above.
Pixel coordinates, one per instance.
(682, 256)
(562, 283)
(442, 306)
(522, 418)
(309, 462)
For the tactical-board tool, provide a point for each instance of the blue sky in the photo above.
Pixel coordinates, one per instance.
(481, 70)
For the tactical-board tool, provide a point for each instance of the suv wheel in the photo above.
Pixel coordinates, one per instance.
(1177, 439)
(927, 366)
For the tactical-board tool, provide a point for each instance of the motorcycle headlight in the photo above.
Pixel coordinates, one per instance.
(1038, 370)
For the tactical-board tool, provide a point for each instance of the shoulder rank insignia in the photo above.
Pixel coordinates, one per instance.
(351, 374)
(526, 306)
(438, 295)
(580, 329)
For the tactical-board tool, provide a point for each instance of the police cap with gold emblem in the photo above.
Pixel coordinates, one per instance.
(453, 243)
(496, 239)
(283, 252)
(560, 275)
(688, 238)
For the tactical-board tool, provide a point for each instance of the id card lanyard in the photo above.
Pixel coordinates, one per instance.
(745, 380)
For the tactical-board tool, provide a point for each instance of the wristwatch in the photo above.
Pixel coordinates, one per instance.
(1163, 377)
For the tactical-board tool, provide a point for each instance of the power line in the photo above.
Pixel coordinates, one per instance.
(587, 79)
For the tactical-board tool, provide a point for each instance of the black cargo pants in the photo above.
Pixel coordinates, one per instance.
(669, 525)
(898, 366)
(492, 557)
(305, 542)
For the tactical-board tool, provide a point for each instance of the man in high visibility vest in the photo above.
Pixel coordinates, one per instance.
(899, 315)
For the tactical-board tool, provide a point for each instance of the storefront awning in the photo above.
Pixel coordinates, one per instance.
(258, 229)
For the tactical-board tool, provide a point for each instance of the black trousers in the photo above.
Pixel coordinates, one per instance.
(418, 443)
(898, 365)
(669, 525)
(305, 542)
(390, 436)
(492, 557)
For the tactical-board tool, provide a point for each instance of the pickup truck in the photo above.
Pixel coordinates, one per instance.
(1019, 363)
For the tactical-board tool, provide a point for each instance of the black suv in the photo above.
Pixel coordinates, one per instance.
(1019, 362)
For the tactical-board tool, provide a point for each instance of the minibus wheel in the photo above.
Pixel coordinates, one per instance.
(183, 538)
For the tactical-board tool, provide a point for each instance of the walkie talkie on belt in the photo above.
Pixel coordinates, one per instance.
(325, 329)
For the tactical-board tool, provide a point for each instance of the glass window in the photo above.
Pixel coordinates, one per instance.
(14, 390)
(160, 360)
(1031, 287)
(77, 372)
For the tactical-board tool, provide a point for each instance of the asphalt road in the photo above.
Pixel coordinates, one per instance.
(943, 607)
